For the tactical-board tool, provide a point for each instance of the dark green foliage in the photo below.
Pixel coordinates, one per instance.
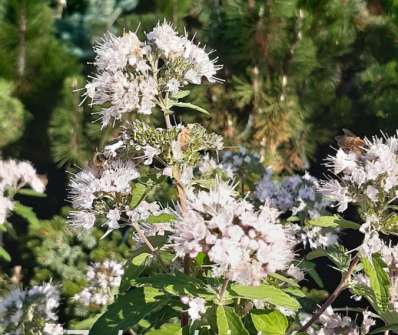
(37, 63)
(73, 134)
(12, 115)
(303, 69)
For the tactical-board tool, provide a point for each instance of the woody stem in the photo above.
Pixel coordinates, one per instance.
(332, 297)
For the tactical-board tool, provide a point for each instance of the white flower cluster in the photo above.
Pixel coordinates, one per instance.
(103, 279)
(15, 175)
(243, 244)
(33, 309)
(332, 323)
(369, 174)
(298, 195)
(130, 76)
(196, 307)
(105, 195)
(174, 48)
(87, 186)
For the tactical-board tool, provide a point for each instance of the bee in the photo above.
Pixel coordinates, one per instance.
(98, 163)
(350, 142)
(183, 138)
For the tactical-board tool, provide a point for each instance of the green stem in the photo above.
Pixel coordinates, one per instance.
(223, 290)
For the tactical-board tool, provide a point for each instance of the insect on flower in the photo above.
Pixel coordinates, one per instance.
(350, 142)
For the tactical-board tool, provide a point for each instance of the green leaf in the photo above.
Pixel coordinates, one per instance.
(29, 192)
(228, 322)
(379, 282)
(284, 279)
(134, 269)
(4, 254)
(191, 106)
(268, 293)
(181, 94)
(293, 218)
(339, 255)
(333, 221)
(178, 284)
(127, 311)
(297, 292)
(390, 317)
(273, 323)
(383, 329)
(161, 218)
(138, 194)
(27, 213)
(86, 323)
(313, 254)
(309, 267)
(167, 329)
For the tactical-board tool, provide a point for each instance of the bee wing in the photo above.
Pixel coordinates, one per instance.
(348, 132)
(340, 139)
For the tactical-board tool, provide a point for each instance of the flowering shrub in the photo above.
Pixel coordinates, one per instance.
(215, 246)
(227, 263)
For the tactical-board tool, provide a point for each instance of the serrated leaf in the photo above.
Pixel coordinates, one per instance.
(333, 221)
(126, 312)
(268, 293)
(5, 255)
(138, 194)
(27, 213)
(379, 282)
(161, 218)
(339, 255)
(177, 284)
(272, 323)
(191, 106)
(228, 322)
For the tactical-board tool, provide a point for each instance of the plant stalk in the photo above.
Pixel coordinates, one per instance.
(332, 297)
(223, 289)
(148, 243)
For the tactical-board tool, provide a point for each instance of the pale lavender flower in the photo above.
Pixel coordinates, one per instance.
(243, 244)
(196, 307)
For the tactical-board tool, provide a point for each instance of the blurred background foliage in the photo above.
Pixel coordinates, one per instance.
(296, 72)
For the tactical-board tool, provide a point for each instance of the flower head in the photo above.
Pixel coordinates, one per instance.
(103, 278)
(130, 78)
(243, 244)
